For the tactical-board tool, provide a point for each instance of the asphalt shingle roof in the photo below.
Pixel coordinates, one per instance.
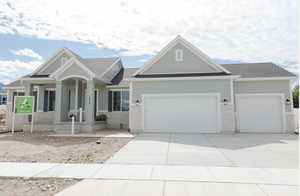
(255, 70)
(98, 65)
(124, 74)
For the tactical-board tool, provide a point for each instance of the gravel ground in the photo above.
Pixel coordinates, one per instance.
(30, 187)
(38, 147)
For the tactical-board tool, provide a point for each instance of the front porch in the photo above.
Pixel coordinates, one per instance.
(58, 100)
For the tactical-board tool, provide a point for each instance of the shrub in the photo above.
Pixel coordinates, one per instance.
(101, 117)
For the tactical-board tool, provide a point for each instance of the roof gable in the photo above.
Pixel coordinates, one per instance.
(54, 62)
(73, 67)
(194, 61)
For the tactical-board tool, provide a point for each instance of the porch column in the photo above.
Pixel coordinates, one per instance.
(90, 102)
(58, 102)
(41, 95)
(28, 89)
(76, 93)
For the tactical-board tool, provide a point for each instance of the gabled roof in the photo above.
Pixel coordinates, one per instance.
(189, 46)
(99, 65)
(53, 57)
(255, 70)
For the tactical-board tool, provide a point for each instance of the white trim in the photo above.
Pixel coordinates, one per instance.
(97, 97)
(218, 96)
(61, 68)
(38, 109)
(50, 89)
(189, 46)
(14, 88)
(130, 104)
(68, 64)
(73, 76)
(116, 86)
(231, 92)
(283, 111)
(265, 78)
(112, 99)
(48, 61)
(110, 67)
(291, 96)
(182, 78)
(53, 58)
(76, 93)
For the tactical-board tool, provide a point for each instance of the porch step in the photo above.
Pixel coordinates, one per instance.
(66, 128)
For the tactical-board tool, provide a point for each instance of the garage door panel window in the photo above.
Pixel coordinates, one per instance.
(120, 100)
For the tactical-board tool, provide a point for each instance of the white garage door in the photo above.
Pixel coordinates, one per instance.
(260, 113)
(181, 113)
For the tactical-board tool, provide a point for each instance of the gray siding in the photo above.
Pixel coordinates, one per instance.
(190, 64)
(270, 86)
(103, 99)
(189, 86)
(54, 65)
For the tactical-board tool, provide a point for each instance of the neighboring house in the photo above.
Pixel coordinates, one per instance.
(3, 95)
(179, 90)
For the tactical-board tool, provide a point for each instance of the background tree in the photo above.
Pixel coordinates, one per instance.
(296, 96)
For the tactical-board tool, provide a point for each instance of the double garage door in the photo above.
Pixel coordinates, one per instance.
(182, 113)
(200, 113)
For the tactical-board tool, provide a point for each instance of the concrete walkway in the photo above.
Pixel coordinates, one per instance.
(90, 187)
(151, 172)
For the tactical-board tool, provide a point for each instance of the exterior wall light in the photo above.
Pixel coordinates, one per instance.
(137, 102)
(288, 101)
(225, 101)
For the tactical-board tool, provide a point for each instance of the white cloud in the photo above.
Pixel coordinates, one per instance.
(27, 52)
(10, 70)
(249, 31)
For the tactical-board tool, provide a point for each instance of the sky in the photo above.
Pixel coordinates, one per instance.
(231, 31)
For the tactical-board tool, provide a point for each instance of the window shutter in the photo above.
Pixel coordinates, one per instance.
(109, 101)
(46, 101)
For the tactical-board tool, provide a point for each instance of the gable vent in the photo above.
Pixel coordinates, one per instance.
(179, 55)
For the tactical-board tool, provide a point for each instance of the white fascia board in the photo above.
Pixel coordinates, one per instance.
(117, 86)
(53, 58)
(265, 78)
(182, 78)
(48, 61)
(110, 67)
(13, 87)
(68, 64)
(61, 69)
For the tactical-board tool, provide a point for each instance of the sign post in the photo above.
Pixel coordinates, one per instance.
(23, 105)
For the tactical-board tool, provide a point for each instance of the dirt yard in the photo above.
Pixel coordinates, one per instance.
(30, 187)
(38, 147)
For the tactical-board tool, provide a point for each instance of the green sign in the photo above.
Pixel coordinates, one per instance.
(24, 105)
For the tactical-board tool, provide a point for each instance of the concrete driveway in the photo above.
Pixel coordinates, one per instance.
(236, 150)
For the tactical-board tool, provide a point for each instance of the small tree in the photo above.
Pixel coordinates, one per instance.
(296, 96)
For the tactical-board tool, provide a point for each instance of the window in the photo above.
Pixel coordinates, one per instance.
(179, 55)
(2, 99)
(16, 94)
(49, 100)
(120, 100)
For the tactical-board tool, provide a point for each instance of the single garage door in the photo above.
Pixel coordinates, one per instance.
(260, 113)
(181, 113)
